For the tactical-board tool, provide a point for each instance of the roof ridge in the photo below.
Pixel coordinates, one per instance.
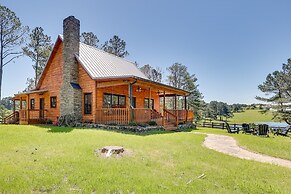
(62, 38)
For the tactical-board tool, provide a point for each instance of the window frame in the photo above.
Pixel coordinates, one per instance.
(87, 106)
(53, 101)
(32, 105)
(110, 97)
(149, 104)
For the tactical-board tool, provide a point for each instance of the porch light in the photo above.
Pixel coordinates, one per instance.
(138, 89)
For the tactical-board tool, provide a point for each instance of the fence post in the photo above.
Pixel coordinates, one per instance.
(211, 124)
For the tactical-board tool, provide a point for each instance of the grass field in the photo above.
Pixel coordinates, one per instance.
(251, 116)
(38, 159)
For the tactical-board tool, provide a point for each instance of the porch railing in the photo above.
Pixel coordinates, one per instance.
(36, 115)
(170, 117)
(113, 116)
(183, 115)
(123, 116)
(12, 118)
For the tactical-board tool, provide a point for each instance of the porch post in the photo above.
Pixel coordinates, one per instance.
(13, 109)
(164, 106)
(175, 102)
(20, 103)
(27, 108)
(131, 117)
(95, 99)
(150, 100)
(185, 102)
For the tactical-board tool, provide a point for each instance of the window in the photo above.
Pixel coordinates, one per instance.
(88, 103)
(114, 101)
(147, 104)
(53, 102)
(31, 104)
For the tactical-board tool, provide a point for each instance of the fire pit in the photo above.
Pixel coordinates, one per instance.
(109, 151)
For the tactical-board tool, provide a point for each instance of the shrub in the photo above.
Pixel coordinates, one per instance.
(56, 123)
(132, 124)
(49, 122)
(143, 124)
(152, 123)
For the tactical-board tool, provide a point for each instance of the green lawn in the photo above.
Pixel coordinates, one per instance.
(251, 116)
(60, 160)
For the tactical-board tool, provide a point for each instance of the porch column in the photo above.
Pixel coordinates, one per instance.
(95, 100)
(13, 109)
(28, 108)
(150, 100)
(175, 102)
(150, 96)
(164, 107)
(186, 111)
(20, 103)
(131, 113)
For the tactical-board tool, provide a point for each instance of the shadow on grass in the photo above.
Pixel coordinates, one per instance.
(56, 129)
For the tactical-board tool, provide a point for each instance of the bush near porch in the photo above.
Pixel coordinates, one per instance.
(38, 159)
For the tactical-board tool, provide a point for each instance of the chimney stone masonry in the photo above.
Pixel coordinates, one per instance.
(70, 98)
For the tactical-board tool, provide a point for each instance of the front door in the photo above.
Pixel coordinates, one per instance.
(41, 108)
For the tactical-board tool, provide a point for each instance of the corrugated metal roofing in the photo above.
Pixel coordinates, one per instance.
(100, 64)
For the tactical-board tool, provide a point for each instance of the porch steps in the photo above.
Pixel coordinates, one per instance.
(170, 127)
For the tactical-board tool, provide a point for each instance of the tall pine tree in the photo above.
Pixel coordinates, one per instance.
(11, 37)
(277, 88)
(179, 77)
(38, 50)
(115, 46)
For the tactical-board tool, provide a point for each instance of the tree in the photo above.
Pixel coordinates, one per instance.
(89, 38)
(11, 36)
(38, 50)
(277, 88)
(154, 74)
(115, 46)
(7, 103)
(217, 109)
(179, 77)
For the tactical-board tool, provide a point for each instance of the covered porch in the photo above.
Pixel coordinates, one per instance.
(27, 112)
(143, 101)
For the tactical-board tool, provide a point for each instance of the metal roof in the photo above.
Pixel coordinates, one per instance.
(100, 64)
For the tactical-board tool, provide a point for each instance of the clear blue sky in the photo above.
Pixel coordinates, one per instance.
(230, 45)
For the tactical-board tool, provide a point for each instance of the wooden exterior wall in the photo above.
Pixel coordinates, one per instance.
(88, 86)
(52, 82)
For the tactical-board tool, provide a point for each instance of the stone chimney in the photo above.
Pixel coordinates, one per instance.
(70, 98)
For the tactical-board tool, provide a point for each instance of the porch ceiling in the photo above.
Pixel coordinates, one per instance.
(24, 94)
(144, 84)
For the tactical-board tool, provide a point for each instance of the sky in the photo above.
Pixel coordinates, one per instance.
(230, 45)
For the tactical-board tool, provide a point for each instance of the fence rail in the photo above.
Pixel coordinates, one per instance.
(220, 125)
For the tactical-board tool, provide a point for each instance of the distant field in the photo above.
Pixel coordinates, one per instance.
(251, 116)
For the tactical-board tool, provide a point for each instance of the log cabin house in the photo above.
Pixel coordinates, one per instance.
(97, 86)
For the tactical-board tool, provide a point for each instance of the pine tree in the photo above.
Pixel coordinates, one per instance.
(277, 88)
(89, 38)
(179, 77)
(154, 74)
(11, 37)
(38, 50)
(115, 46)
